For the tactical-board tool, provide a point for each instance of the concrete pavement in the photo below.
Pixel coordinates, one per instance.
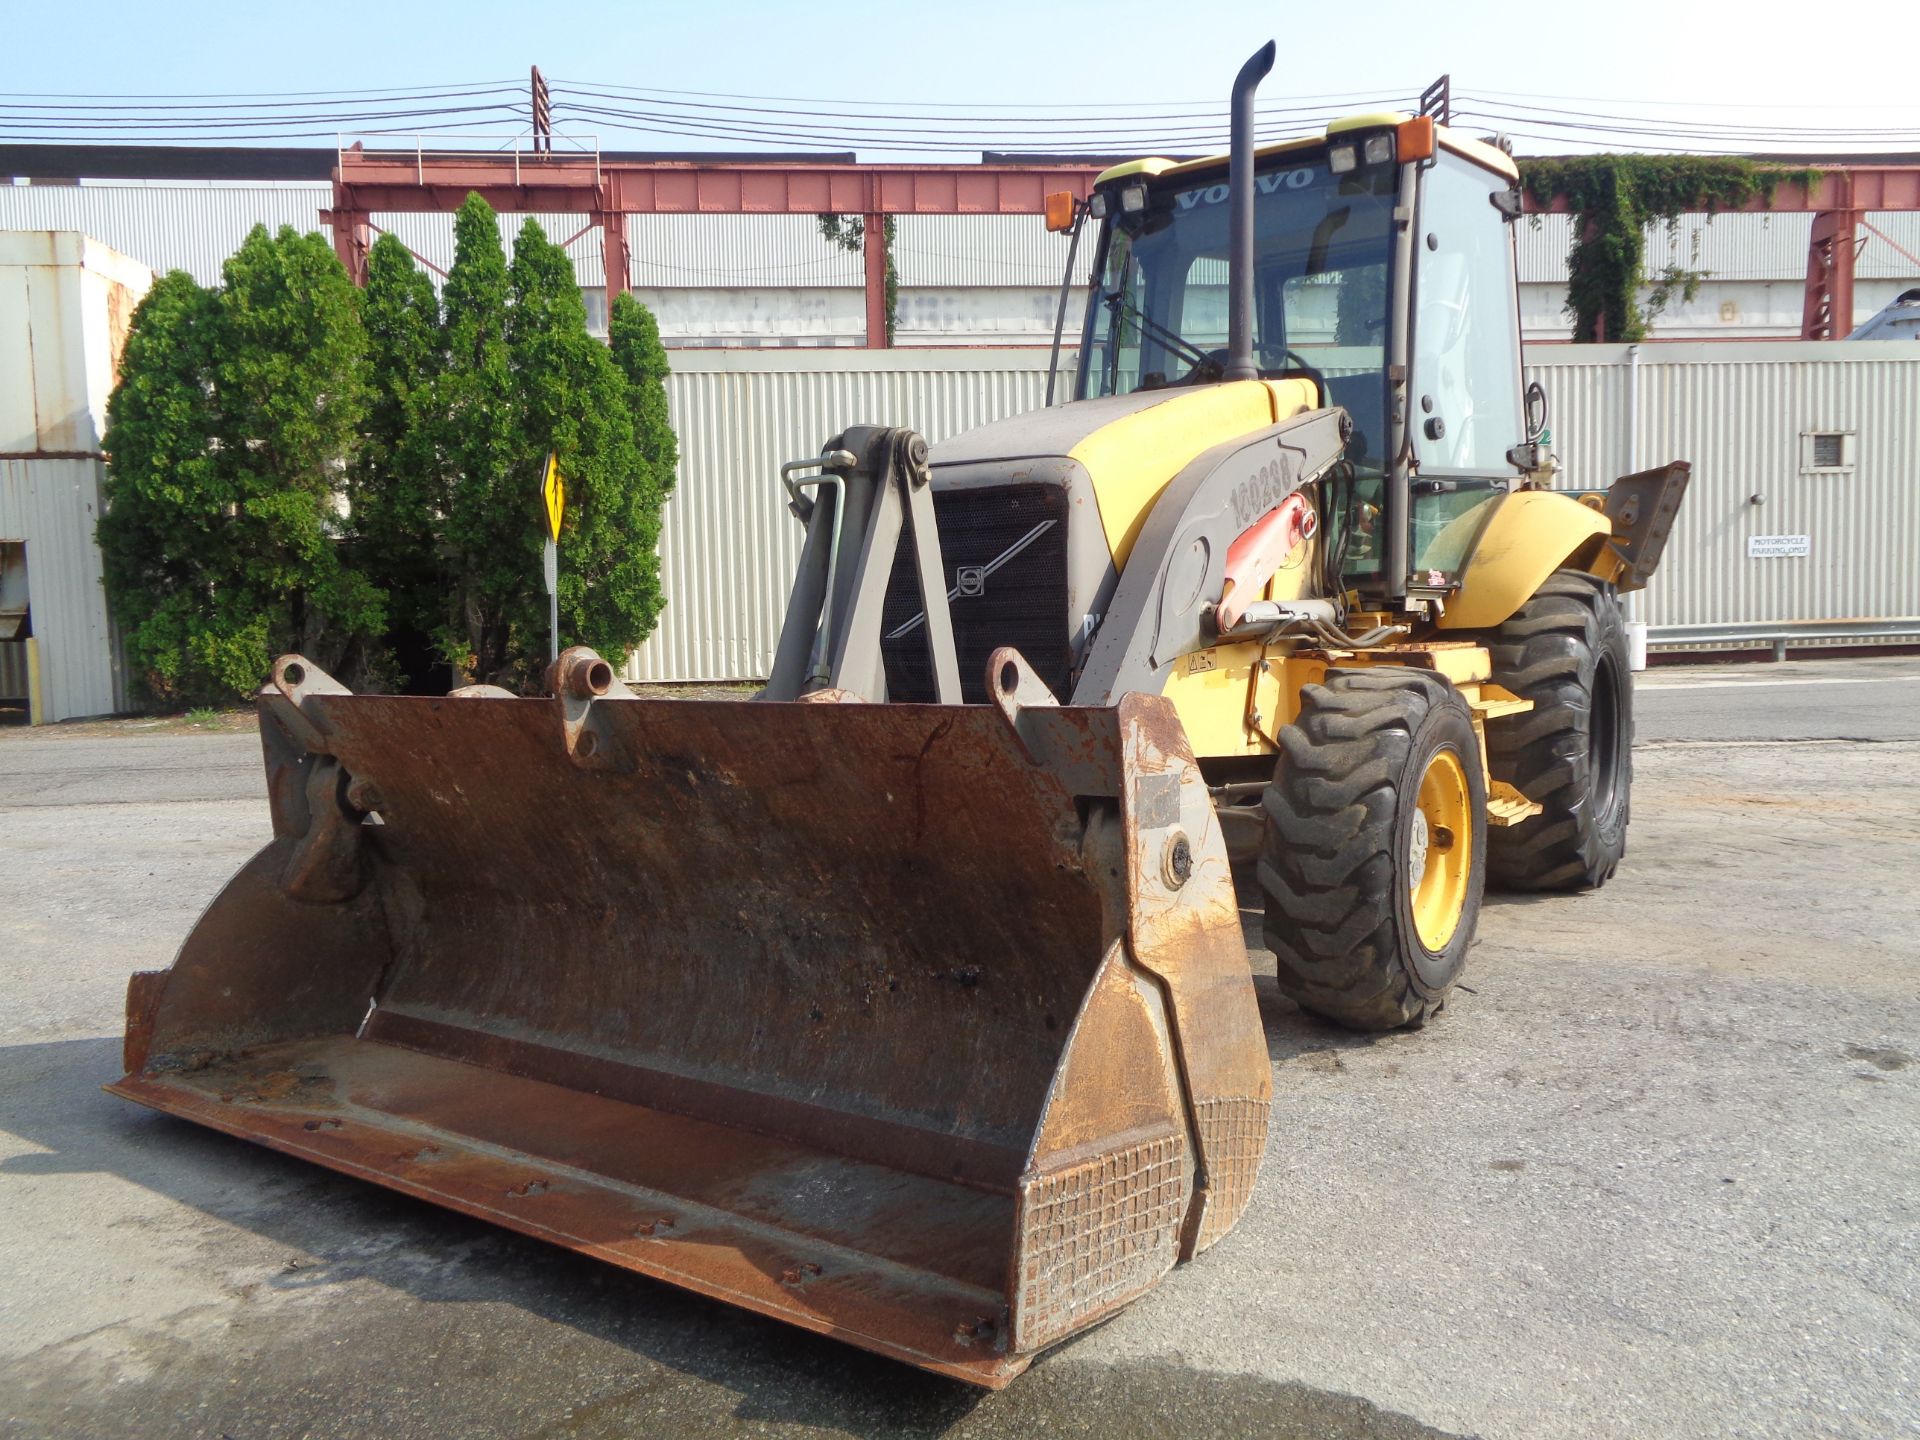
(1653, 1172)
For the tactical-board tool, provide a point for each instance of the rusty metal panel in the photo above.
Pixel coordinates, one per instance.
(678, 984)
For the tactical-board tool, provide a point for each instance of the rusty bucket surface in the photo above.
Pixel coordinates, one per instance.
(926, 1027)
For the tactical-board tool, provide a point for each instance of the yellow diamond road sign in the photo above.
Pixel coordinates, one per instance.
(553, 490)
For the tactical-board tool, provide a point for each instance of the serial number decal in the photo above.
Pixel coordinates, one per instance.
(1260, 492)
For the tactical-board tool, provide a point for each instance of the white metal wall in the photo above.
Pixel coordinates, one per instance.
(967, 279)
(53, 505)
(1739, 412)
(729, 546)
(1736, 411)
(65, 304)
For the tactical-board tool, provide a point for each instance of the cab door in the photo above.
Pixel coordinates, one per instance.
(1465, 408)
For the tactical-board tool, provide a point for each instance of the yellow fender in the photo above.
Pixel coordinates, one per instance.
(1529, 535)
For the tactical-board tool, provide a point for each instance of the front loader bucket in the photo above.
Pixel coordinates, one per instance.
(926, 1027)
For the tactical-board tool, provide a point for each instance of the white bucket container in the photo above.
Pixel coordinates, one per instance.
(1636, 644)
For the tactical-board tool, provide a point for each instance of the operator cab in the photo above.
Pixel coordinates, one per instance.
(1327, 259)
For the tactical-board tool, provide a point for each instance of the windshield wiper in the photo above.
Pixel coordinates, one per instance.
(1118, 303)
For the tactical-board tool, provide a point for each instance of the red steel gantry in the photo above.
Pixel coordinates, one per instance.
(373, 182)
(369, 182)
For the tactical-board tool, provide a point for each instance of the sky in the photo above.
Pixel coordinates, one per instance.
(1679, 65)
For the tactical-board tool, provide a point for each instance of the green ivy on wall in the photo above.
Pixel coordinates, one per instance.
(1612, 199)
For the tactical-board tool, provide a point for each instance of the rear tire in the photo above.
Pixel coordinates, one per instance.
(1374, 860)
(1565, 650)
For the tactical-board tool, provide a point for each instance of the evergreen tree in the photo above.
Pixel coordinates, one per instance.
(166, 507)
(634, 338)
(574, 403)
(396, 486)
(489, 543)
(292, 392)
(228, 436)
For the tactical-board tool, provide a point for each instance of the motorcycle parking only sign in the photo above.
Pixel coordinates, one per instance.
(1778, 547)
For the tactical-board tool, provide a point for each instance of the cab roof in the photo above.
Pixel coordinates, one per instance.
(1475, 150)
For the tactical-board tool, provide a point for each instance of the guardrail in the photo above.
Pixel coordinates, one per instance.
(1782, 634)
(524, 150)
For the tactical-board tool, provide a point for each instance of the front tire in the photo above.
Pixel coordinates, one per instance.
(1374, 860)
(1565, 650)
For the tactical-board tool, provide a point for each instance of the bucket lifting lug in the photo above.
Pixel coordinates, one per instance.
(315, 802)
(577, 680)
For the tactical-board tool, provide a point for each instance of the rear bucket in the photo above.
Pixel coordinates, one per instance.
(925, 1027)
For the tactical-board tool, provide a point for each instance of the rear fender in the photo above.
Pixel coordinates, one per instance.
(1529, 535)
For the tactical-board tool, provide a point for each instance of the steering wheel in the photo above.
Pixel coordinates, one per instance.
(1213, 367)
(1310, 371)
(1292, 362)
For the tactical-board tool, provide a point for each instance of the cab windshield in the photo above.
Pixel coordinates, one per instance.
(1158, 315)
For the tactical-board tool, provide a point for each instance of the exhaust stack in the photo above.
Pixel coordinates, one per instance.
(1240, 361)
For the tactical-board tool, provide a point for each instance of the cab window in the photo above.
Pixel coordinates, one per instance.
(1466, 364)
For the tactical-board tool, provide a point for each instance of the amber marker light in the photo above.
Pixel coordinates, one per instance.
(1416, 138)
(1060, 210)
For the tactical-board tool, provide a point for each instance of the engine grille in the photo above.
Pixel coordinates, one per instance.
(1016, 539)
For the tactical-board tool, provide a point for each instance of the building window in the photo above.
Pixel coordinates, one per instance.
(1826, 452)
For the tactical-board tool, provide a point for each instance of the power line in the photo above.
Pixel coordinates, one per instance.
(932, 113)
(8, 102)
(239, 94)
(1130, 105)
(1588, 119)
(881, 134)
(920, 127)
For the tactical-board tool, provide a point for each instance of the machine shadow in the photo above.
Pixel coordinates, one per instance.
(608, 1352)
(1291, 1032)
(335, 1230)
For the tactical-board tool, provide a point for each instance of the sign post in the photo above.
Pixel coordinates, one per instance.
(553, 494)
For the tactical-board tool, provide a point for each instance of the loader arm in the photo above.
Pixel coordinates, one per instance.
(1165, 603)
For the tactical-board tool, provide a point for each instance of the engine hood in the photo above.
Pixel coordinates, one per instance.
(1124, 448)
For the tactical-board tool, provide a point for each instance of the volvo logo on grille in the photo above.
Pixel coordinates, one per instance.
(972, 579)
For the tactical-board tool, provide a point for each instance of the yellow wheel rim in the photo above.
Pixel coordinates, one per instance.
(1440, 851)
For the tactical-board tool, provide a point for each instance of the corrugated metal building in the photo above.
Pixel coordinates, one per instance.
(1804, 514)
(964, 279)
(1821, 544)
(65, 305)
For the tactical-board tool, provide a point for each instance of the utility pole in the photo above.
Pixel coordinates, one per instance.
(542, 112)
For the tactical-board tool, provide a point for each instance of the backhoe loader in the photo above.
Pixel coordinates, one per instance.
(909, 1002)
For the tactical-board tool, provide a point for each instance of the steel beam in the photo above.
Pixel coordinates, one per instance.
(1826, 312)
(873, 248)
(366, 183)
(404, 182)
(613, 252)
(352, 238)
